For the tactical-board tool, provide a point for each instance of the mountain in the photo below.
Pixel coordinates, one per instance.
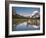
(18, 16)
(35, 14)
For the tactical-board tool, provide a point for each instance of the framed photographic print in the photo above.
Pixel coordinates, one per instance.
(24, 18)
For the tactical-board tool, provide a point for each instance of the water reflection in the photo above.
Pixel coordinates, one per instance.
(24, 27)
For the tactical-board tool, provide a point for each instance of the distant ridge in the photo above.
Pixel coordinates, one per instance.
(35, 14)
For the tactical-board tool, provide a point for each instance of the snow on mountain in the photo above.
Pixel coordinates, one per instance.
(25, 15)
(33, 13)
(36, 14)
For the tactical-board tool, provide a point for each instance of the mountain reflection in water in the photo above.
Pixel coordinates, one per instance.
(24, 27)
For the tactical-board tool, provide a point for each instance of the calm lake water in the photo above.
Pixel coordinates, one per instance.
(24, 27)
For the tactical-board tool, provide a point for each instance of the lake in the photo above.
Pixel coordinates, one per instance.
(24, 27)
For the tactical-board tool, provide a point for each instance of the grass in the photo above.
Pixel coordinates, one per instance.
(32, 21)
(17, 21)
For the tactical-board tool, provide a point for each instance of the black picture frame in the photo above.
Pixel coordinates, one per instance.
(7, 18)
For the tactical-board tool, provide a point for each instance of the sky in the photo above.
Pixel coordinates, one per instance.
(25, 10)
